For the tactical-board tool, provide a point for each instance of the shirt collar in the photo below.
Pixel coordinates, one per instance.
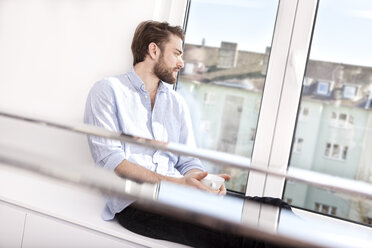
(162, 87)
(136, 80)
(139, 84)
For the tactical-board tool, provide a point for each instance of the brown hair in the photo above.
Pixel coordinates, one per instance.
(152, 31)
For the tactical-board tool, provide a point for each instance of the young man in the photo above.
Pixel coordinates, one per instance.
(138, 103)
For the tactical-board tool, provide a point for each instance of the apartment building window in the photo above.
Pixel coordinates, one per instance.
(342, 120)
(288, 200)
(323, 88)
(335, 151)
(188, 68)
(304, 113)
(298, 145)
(368, 103)
(252, 135)
(368, 220)
(325, 209)
(307, 81)
(350, 91)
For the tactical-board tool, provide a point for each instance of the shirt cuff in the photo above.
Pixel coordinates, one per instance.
(113, 161)
(191, 166)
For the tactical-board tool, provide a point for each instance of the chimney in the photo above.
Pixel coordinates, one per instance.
(227, 55)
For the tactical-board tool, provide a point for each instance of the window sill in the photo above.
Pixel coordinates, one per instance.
(70, 204)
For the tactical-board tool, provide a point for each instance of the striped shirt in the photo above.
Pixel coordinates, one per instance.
(121, 103)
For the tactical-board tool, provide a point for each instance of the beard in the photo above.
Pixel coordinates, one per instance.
(164, 73)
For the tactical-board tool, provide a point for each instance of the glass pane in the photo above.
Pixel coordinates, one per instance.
(337, 91)
(327, 150)
(226, 57)
(299, 144)
(335, 151)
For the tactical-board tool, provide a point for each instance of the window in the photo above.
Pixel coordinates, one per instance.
(339, 129)
(336, 151)
(227, 69)
(188, 68)
(252, 135)
(342, 120)
(298, 145)
(350, 91)
(304, 113)
(307, 81)
(368, 220)
(288, 200)
(368, 103)
(325, 209)
(323, 88)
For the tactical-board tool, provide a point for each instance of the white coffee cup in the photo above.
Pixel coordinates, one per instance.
(213, 181)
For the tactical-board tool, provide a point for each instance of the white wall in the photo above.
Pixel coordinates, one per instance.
(52, 52)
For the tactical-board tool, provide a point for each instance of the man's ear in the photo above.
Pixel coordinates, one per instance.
(153, 50)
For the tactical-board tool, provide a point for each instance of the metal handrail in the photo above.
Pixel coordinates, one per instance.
(333, 183)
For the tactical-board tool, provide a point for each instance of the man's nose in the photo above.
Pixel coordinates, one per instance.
(180, 63)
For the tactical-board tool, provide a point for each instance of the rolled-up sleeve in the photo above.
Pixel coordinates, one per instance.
(186, 163)
(101, 111)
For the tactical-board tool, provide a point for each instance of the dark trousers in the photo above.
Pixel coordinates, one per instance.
(158, 226)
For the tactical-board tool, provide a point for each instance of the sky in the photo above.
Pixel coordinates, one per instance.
(342, 34)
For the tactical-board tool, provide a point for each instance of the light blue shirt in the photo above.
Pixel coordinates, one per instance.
(121, 103)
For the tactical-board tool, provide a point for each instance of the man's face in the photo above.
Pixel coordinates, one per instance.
(170, 60)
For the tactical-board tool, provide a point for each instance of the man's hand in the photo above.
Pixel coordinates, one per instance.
(192, 178)
(222, 190)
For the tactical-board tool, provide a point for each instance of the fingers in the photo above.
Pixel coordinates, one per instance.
(225, 176)
(201, 186)
(199, 175)
(193, 179)
(205, 188)
(222, 190)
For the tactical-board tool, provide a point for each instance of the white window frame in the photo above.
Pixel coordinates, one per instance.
(271, 95)
(290, 96)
